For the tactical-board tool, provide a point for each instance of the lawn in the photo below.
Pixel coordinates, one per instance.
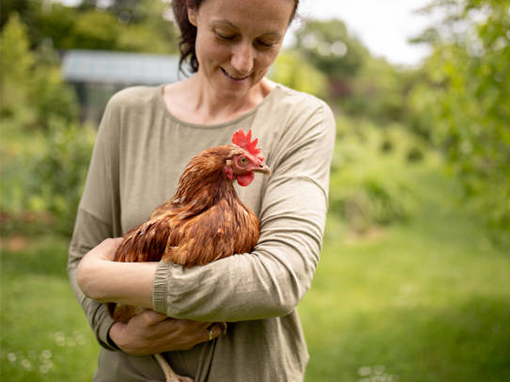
(425, 300)
(44, 336)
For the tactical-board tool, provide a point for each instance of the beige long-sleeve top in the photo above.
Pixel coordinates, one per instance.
(140, 152)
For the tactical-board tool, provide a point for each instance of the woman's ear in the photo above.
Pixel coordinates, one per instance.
(192, 12)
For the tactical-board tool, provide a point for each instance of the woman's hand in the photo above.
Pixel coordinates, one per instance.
(152, 333)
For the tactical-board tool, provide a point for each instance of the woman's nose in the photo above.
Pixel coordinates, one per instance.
(242, 59)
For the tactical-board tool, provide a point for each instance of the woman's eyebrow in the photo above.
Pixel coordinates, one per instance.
(219, 23)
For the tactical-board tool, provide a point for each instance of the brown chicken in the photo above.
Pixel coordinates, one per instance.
(204, 221)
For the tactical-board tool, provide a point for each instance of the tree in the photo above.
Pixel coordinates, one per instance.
(56, 25)
(292, 71)
(329, 46)
(127, 25)
(466, 100)
(32, 89)
(17, 62)
(94, 29)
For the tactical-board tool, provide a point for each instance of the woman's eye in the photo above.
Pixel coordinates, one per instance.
(225, 36)
(264, 44)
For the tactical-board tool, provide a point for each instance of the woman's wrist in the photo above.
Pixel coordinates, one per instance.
(116, 335)
(113, 335)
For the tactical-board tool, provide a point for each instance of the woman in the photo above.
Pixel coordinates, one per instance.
(146, 137)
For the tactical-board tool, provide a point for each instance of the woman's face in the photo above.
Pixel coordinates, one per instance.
(237, 41)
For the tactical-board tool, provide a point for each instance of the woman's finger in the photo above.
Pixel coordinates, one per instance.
(213, 332)
(152, 317)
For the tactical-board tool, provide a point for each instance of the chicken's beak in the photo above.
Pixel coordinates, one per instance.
(263, 169)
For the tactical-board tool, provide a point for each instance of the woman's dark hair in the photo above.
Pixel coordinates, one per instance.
(189, 31)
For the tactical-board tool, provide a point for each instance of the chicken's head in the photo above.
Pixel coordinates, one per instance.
(245, 159)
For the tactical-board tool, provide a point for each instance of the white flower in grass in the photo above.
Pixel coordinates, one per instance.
(44, 368)
(46, 354)
(60, 339)
(80, 339)
(26, 364)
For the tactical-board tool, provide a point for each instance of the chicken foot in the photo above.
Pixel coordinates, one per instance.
(170, 375)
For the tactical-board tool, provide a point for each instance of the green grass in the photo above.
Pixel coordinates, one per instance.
(427, 300)
(44, 335)
(424, 301)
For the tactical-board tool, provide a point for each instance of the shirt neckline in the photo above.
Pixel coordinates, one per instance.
(236, 120)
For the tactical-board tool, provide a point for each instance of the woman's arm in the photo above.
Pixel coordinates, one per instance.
(270, 281)
(104, 280)
(98, 218)
(275, 276)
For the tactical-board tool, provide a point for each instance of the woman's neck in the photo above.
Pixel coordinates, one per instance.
(191, 100)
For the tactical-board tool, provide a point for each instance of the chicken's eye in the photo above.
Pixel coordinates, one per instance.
(243, 160)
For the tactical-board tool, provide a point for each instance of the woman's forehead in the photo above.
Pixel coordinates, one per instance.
(263, 15)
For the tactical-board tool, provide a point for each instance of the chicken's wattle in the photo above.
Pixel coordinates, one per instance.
(245, 179)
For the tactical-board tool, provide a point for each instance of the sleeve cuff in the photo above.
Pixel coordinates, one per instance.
(103, 335)
(159, 301)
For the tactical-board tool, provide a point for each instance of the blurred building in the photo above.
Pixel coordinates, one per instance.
(97, 75)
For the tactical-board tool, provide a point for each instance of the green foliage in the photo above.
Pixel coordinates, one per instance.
(329, 46)
(51, 96)
(45, 336)
(466, 104)
(94, 30)
(424, 301)
(16, 64)
(32, 88)
(364, 191)
(43, 179)
(359, 84)
(8, 7)
(147, 18)
(138, 26)
(364, 202)
(292, 71)
(57, 25)
(42, 176)
(58, 173)
(145, 38)
(26, 9)
(378, 92)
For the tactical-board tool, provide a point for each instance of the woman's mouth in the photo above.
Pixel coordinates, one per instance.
(232, 77)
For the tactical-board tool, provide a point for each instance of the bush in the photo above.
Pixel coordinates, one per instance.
(363, 192)
(59, 173)
(464, 103)
(290, 69)
(16, 62)
(42, 177)
(32, 89)
(42, 183)
(370, 200)
(52, 97)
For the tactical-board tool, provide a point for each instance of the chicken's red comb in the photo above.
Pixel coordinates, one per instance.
(244, 140)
